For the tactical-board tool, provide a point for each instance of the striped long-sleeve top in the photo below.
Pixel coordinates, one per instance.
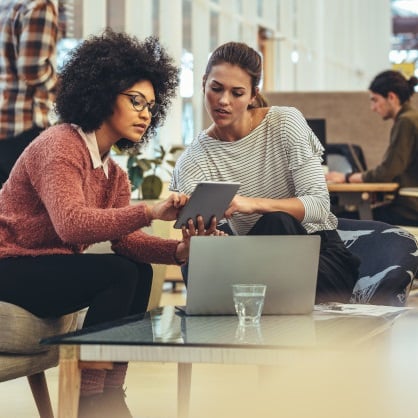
(28, 35)
(280, 158)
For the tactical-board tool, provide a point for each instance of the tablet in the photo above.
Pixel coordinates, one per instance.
(208, 199)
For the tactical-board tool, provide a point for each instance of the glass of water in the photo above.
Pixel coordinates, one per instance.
(249, 302)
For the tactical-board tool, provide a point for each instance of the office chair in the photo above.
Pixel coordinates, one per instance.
(346, 158)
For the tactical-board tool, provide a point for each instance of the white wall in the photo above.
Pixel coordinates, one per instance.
(341, 44)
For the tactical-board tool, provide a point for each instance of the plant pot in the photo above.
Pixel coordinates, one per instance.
(151, 187)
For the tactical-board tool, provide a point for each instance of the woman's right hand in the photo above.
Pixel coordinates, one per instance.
(168, 210)
(182, 252)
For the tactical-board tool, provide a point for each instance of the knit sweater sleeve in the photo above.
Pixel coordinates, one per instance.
(83, 206)
(73, 219)
(145, 248)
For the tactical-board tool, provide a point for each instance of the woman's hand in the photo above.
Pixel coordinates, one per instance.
(260, 205)
(168, 209)
(182, 252)
(241, 204)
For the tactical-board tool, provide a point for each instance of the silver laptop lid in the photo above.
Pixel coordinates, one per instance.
(288, 265)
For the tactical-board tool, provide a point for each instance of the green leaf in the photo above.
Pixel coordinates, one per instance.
(144, 164)
(131, 162)
(136, 176)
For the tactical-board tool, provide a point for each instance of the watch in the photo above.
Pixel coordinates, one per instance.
(347, 177)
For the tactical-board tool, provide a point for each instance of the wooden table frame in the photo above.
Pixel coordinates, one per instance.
(74, 358)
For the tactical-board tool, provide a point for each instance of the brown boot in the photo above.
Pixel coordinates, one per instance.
(109, 404)
(91, 406)
(115, 405)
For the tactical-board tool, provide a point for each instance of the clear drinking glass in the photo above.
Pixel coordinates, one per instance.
(249, 302)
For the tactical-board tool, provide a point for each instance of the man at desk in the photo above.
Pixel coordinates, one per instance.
(390, 94)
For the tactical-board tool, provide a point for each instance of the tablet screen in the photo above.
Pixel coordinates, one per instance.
(208, 199)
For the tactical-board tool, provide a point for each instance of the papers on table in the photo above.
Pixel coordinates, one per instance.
(359, 309)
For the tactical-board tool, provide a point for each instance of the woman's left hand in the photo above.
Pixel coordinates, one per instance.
(182, 252)
(241, 204)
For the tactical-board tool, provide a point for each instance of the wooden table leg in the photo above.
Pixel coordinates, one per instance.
(184, 378)
(360, 200)
(69, 381)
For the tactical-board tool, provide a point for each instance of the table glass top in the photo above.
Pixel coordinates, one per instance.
(167, 327)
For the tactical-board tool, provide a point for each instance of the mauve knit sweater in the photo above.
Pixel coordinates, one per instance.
(55, 202)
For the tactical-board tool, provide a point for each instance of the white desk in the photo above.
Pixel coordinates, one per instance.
(408, 191)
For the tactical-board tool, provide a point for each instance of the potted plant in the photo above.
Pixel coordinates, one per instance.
(151, 185)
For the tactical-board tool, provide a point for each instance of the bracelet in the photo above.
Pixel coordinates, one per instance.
(347, 177)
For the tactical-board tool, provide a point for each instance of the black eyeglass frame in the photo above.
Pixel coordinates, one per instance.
(152, 107)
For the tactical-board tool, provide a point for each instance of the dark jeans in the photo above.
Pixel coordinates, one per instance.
(338, 267)
(53, 285)
(11, 148)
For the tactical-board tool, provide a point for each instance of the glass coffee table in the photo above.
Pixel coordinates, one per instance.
(165, 335)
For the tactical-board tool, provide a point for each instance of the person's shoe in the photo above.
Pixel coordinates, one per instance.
(114, 404)
(109, 404)
(90, 406)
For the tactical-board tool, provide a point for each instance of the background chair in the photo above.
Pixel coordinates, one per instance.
(22, 355)
(389, 260)
(346, 158)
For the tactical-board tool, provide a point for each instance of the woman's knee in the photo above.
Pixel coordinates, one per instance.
(126, 273)
(277, 223)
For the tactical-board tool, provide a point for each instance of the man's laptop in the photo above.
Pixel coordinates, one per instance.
(288, 265)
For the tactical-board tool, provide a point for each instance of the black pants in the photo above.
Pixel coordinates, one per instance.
(49, 286)
(11, 148)
(337, 269)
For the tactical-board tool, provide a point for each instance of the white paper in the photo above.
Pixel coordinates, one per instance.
(357, 309)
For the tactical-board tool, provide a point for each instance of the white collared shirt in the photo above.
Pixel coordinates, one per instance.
(91, 142)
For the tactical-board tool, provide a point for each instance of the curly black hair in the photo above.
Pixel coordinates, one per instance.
(103, 66)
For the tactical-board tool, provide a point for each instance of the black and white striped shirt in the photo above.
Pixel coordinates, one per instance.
(280, 158)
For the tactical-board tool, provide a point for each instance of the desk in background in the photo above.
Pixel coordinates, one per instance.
(361, 194)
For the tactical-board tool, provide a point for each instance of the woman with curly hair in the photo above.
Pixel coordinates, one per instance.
(66, 193)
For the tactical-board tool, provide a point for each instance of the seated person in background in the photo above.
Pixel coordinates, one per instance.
(275, 156)
(65, 193)
(390, 94)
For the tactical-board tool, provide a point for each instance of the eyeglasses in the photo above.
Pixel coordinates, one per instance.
(139, 103)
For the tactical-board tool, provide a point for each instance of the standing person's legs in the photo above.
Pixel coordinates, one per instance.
(338, 268)
(11, 148)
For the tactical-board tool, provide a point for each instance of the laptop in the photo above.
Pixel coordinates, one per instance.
(288, 265)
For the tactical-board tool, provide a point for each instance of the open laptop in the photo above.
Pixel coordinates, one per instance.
(288, 265)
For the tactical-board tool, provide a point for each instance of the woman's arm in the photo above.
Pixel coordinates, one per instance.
(310, 204)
